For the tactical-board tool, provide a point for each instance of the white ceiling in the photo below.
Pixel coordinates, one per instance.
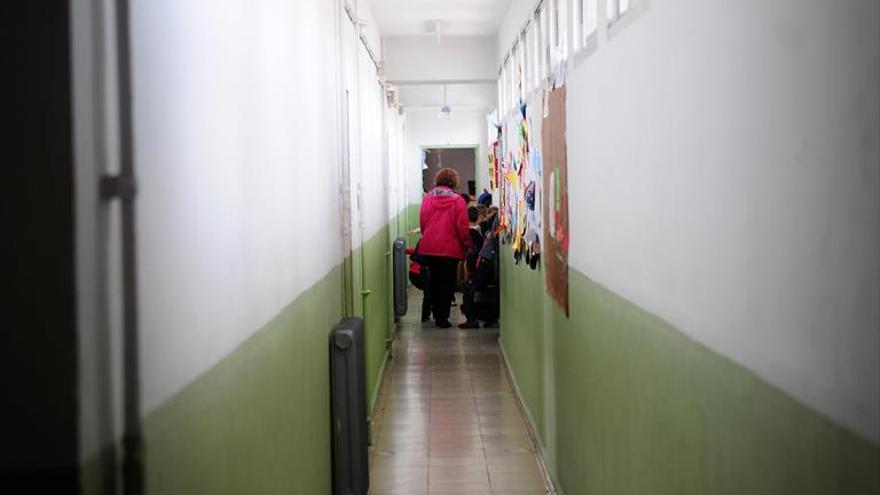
(457, 17)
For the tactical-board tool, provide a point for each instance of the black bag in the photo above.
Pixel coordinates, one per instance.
(418, 258)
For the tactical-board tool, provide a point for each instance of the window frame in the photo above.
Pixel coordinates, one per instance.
(587, 30)
(615, 10)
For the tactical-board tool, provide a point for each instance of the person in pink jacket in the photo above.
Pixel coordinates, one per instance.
(445, 240)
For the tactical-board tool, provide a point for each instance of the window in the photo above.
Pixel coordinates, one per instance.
(522, 63)
(511, 82)
(615, 8)
(544, 42)
(503, 108)
(502, 90)
(535, 30)
(517, 88)
(563, 26)
(590, 19)
(529, 68)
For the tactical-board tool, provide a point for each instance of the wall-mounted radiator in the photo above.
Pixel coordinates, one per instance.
(348, 396)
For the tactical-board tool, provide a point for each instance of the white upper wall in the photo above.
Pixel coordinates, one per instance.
(723, 174)
(235, 132)
(396, 125)
(366, 133)
(449, 58)
(468, 18)
(518, 13)
(369, 26)
(238, 144)
(421, 58)
(430, 60)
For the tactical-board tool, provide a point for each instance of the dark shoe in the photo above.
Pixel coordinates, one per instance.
(492, 324)
(443, 324)
(426, 318)
(470, 324)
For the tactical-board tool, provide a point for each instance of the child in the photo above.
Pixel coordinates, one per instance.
(418, 275)
(470, 286)
(486, 278)
(488, 219)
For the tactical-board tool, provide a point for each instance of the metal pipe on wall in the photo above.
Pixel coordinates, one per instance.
(123, 187)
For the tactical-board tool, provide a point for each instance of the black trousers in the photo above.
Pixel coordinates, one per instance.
(443, 273)
(422, 282)
(488, 309)
(468, 306)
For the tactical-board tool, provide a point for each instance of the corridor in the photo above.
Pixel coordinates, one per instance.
(447, 420)
(215, 209)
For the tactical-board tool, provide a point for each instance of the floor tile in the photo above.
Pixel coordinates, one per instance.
(447, 420)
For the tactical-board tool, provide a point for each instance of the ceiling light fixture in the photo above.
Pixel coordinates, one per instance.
(445, 110)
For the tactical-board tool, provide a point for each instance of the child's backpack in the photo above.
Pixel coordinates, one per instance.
(487, 267)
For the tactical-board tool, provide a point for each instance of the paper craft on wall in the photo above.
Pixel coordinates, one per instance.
(517, 163)
(528, 166)
(495, 161)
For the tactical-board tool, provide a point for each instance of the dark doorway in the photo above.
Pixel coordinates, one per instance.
(38, 345)
(461, 159)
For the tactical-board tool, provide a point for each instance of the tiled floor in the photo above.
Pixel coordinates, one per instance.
(447, 420)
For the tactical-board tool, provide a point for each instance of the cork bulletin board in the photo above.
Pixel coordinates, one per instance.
(556, 238)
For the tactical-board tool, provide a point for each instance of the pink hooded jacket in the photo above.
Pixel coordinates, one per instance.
(444, 224)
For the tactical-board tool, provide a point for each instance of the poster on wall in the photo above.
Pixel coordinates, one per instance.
(555, 175)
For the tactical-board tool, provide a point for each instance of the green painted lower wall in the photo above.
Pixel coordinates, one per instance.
(412, 223)
(523, 334)
(373, 288)
(258, 420)
(625, 404)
